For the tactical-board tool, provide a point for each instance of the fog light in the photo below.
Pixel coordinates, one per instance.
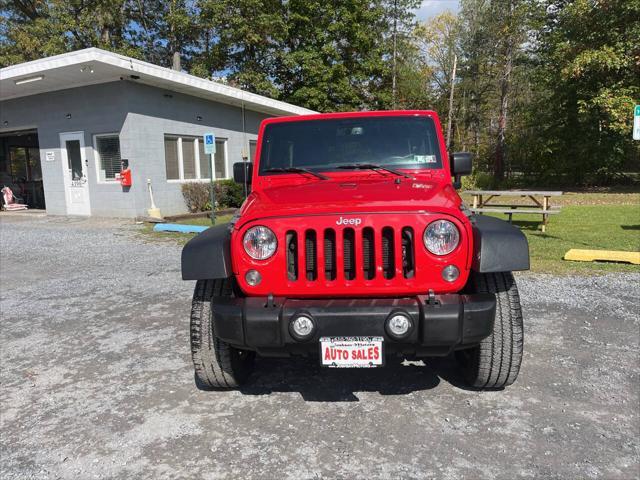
(450, 273)
(398, 325)
(253, 277)
(302, 327)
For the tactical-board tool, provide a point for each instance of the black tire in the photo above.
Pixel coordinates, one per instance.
(217, 364)
(495, 362)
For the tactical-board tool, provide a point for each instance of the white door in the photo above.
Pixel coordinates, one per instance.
(74, 167)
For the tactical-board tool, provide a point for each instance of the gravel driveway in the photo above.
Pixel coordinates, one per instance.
(97, 382)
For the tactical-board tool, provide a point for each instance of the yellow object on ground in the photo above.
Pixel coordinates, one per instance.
(602, 256)
(154, 213)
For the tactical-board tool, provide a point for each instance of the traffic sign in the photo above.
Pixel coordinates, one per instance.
(209, 143)
(636, 123)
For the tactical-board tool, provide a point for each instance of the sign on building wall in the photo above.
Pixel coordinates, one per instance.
(49, 156)
(209, 143)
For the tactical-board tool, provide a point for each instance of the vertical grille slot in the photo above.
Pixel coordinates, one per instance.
(368, 253)
(388, 253)
(349, 253)
(408, 253)
(291, 242)
(330, 254)
(311, 259)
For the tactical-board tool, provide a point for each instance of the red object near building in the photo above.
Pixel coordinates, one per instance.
(125, 177)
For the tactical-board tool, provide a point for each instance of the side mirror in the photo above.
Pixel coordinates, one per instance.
(242, 172)
(461, 164)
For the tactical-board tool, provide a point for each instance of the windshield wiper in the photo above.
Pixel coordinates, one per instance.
(296, 170)
(372, 166)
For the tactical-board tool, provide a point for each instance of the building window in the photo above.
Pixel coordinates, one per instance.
(24, 164)
(185, 158)
(171, 158)
(220, 158)
(107, 148)
(205, 164)
(188, 158)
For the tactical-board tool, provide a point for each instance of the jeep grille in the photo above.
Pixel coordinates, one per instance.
(345, 241)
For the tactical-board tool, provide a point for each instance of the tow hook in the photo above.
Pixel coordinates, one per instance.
(270, 303)
(432, 298)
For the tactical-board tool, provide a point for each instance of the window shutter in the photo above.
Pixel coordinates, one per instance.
(188, 158)
(205, 162)
(220, 159)
(171, 158)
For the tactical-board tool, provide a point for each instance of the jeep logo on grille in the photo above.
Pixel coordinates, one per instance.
(349, 221)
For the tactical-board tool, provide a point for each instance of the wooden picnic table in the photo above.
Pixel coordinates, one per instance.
(541, 203)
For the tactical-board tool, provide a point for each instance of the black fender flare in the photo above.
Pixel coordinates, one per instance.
(498, 246)
(207, 256)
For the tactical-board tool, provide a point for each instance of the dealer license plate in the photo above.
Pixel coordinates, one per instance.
(351, 352)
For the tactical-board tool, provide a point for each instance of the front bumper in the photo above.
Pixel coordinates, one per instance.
(440, 324)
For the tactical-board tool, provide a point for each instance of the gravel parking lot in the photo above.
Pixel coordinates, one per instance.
(97, 382)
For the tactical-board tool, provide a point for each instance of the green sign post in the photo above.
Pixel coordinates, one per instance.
(636, 123)
(210, 149)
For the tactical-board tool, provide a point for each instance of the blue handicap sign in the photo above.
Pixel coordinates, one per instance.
(209, 143)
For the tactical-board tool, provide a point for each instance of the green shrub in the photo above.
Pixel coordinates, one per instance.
(197, 195)
(478, 181)
(229, 194)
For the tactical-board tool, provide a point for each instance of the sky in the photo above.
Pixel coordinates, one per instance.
(431, 8)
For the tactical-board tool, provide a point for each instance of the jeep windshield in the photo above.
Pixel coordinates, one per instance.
(396, 142)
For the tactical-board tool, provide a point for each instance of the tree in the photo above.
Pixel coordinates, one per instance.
(159, 31)
(494, 34)
(588, 54)
(34, 29)
(324, 55)
(242, 42)
(335, 55)
(437, 44)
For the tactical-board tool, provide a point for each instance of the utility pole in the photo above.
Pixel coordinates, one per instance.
(394, 88)
(213, 189)
(453, 79)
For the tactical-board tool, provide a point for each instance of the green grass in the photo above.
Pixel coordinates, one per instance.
(181, 238)
(591, 227)
(572, 198)
(205, 221)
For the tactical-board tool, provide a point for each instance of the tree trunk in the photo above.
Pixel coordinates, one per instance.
(570, 148)
(174, 44)
(105, 36)
(450, 116)
(505, 83)
(175, 63)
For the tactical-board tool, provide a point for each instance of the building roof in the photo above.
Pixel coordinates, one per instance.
(93, 66)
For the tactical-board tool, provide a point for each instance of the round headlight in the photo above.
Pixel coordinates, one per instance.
(260, 242)
(441, 237)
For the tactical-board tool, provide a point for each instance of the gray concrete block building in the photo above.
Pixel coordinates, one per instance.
(66, 123)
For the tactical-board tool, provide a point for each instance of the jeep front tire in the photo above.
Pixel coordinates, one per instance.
(495, 362)
(217, 364)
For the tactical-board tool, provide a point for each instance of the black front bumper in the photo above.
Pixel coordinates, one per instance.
(440, 324)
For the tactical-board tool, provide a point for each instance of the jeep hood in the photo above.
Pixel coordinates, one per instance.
(337, 196)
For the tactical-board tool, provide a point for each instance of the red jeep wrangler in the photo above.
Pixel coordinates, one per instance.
(354, 245)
